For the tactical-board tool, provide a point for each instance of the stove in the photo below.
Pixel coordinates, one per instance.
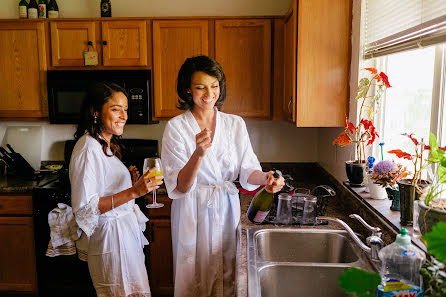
(67, 275)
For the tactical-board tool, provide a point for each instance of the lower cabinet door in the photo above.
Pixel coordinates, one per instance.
(159, 260)
(17, 268)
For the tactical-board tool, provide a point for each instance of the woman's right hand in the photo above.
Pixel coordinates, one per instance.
(145, 184)
(203, 141)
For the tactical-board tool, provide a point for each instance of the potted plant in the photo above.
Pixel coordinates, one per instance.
(411, 188)
(385, 175)
(431, 208)
(364, 133)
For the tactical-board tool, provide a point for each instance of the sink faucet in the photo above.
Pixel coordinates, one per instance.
(374, 241)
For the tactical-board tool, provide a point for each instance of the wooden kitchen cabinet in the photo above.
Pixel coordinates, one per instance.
(317, 62)
(118, 43)
(22, 65)
(243, 48)
(159, 260)
(173, 42)
(17, 251)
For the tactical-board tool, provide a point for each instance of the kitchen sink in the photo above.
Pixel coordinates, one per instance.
(300, 281)
(299, 245)
(300, 262)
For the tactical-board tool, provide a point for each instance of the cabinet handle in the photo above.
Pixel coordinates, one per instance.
(104, 42)
(289, 111)
(90, 43)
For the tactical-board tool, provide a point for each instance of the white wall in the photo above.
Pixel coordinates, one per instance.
(149, 8)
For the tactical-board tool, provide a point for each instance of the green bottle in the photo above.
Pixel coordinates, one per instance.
(105, 8)
(23, 9)
(32, 9)
(261, 204)
(53, 9)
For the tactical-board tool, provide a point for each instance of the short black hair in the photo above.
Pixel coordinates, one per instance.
(190, 66)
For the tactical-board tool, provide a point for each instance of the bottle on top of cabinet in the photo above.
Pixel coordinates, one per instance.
(105, 8)
(32, 9)
(23, 9)
(42, 9)
(53, 9)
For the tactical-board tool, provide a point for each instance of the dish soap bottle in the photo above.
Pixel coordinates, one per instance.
(261, 203)
(401, 263)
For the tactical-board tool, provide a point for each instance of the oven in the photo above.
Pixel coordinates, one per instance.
(67, 275)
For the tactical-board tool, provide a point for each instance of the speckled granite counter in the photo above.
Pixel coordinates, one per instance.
(10, 185)
(309, 175)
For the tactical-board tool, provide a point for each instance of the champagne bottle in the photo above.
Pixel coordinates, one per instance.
(23, 9)
(32, 9)
(42, 9)
(105, 8)
(53, 9)
(261, 204)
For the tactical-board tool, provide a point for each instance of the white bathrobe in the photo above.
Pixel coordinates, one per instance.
(205, 218)
(113, 240)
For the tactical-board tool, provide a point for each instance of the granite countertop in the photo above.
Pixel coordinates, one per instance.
(15, 185)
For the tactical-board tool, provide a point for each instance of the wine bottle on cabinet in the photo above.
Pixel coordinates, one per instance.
(105, 8)
(23, 9)
(53, 9)
(261, 203)
(42, 9)
(32, 9)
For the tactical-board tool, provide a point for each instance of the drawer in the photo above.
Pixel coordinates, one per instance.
(158, 212)
(16, 205)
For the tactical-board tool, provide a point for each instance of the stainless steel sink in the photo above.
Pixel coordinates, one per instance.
(300, 281)
(299, 245)
(300, 262)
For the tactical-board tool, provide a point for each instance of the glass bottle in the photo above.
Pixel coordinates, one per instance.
(23, 9)
(32, 9)
(105, 8)
(53, 9)
(42, 9)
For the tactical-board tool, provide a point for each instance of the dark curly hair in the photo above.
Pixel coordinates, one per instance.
(189, 67)
(97, 95)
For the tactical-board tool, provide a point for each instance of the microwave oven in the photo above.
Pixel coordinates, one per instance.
(68, 88)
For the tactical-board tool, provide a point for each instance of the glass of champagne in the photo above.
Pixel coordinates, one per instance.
(148, 164)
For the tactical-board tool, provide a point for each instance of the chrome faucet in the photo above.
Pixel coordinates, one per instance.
(374, 241)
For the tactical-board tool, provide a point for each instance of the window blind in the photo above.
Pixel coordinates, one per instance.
(392, 26)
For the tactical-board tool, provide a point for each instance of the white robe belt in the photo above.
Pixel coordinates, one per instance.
(218, 191)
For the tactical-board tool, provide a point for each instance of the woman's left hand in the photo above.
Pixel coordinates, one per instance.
(274, 185)
(134, 173)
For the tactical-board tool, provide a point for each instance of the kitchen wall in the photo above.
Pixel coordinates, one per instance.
(273, 141)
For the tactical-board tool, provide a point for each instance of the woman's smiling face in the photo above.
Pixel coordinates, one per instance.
(114, 115)
(205, 91)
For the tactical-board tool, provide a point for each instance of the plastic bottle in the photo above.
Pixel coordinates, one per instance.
(261, 204)
(400, 271)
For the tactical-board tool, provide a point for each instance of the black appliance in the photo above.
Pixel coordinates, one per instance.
(68, 88)
(67, 275)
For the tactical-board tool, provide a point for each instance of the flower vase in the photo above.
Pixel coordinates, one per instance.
(427, 217)
(408, 194)
(355, 172)
(394, 195)
(376, 191)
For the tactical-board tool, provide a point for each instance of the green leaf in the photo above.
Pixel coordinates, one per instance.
(441, 172)
(363, 88)
(359, 281)
(434, 147)
(436, 241)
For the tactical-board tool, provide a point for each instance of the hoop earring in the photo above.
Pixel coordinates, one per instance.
(95, 120)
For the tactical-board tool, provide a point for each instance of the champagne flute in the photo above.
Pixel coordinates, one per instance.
(148, 164)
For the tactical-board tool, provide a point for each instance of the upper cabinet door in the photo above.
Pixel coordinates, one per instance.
(124, 43)
(243, 48)
(173, 43)
(323, 62)
(23, 66)
(289, 64)
(69, 41)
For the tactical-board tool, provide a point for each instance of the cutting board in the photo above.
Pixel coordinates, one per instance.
(27, 141)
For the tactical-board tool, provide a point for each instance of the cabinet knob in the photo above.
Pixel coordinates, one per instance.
(104, 42)
(90, 42)
(289, 102)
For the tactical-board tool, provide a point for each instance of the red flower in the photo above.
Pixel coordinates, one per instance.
(372, 70)
(401, 154)
(373, 134)
(385, 79)
(342, 140)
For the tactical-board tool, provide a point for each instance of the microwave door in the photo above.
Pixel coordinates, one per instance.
(65, 105)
